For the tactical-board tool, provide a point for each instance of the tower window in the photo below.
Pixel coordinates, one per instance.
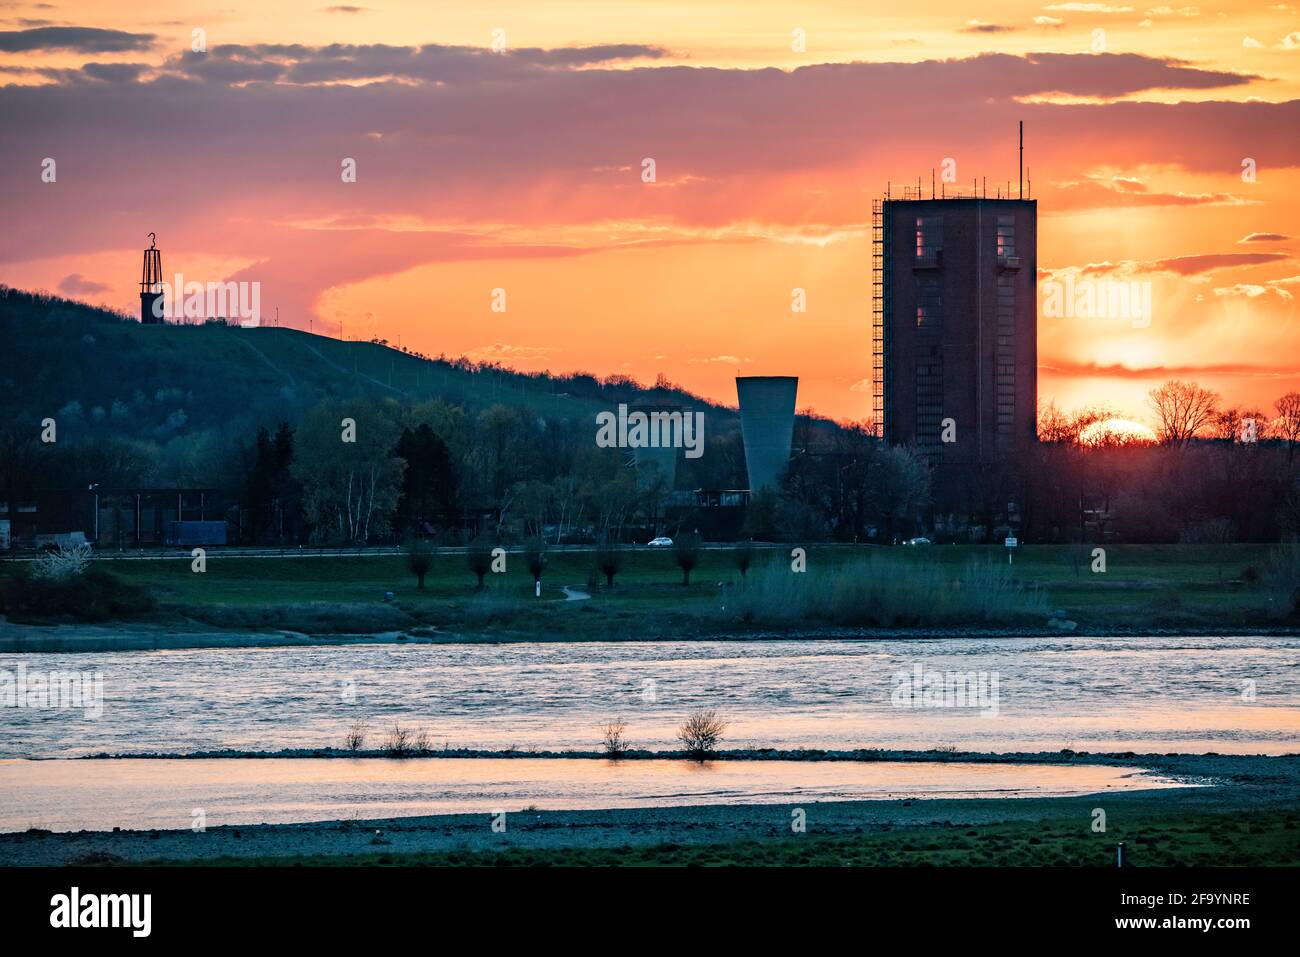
(1006, 236)
(929, 237)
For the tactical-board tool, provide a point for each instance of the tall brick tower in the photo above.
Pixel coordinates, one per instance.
(955, 335)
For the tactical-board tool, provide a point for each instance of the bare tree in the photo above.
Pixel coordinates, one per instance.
(1241, 425)
(356, 737)
(1067, 428)
(1182, 409)
(701, 732)
(613, 738)
(1288, 423)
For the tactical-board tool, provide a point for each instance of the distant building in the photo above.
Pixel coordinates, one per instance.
(657, 462)
(954, 338)
(121, 518)
(766, 426)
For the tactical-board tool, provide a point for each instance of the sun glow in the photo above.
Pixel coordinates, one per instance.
(1116, 431)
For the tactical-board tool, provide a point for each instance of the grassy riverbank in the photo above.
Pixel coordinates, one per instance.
(1172, 587)
(1252, 838)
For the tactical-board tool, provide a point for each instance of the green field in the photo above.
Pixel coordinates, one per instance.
(1157, 586)
(1268, 838)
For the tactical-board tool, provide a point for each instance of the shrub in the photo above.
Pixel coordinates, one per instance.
(62, 563)
(743, 557)
(535, 558)
(609, 561)
(701, 732)
(479, 559)
(398, 742)
(419, 558)
(613, 738)
(89, 595)
(356, 737)
(1212, 531)
(492, 604)
(404, 742)
(1282, 578)
(686, 552)
(885, 592)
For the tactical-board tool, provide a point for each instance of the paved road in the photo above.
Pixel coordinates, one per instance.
(236, 551)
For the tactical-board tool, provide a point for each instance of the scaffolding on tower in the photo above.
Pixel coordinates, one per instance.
(879, 295)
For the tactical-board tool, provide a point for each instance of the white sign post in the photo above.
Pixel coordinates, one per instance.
(1011, 547)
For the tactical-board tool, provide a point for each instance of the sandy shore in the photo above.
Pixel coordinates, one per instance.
(1241, 783)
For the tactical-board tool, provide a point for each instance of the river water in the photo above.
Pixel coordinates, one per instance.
(142, 794)
(1224, 694)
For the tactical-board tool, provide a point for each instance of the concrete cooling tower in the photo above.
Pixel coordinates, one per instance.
(663, 457)
(766, 425)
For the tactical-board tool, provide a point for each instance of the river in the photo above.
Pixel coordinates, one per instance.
(1225, 694)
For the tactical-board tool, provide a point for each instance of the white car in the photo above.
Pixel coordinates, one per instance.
(918, 541)
(661, 542)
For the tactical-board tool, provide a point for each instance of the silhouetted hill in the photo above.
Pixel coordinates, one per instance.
(93, 369)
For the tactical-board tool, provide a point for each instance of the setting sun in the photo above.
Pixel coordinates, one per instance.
(1116, 431)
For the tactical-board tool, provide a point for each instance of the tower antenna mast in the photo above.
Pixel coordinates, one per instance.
(1021, 193)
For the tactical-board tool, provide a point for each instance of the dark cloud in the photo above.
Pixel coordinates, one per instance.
(1185, 265)
(114, 72)
(294, 63)
(1108, 75)
(1119, 194)
(588, 56)
(1196, 265)
(1263, 238)
(228, 68)
(991, 74)
(78, 285)
(976, 27)
(707, 124)
(87, 73)
(1087, 370)
(80, 39)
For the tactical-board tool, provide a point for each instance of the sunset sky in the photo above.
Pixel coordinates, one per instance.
(522, 170)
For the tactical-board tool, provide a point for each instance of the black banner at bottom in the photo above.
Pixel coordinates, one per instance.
(302, 905)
